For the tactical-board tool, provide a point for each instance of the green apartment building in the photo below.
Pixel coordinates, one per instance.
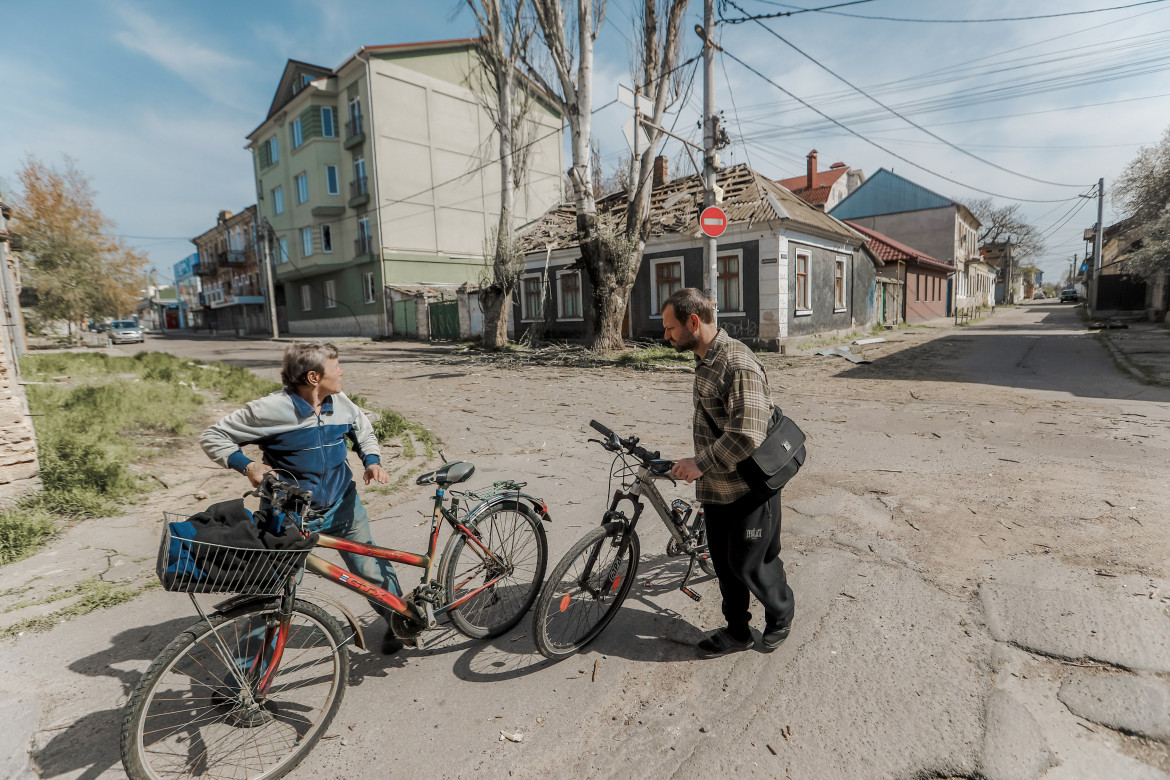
(381, 175)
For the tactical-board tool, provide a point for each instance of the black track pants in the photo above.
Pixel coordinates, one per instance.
(744, 541)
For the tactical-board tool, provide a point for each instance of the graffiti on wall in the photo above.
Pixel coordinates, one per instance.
(741, 329)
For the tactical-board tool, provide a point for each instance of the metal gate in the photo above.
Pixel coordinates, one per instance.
(444, 320)
(1116, 292)
(405, 323)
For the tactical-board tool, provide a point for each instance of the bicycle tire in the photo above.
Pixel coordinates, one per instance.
(514, 534)
(704, 558)
(559, 633)
(210, 725)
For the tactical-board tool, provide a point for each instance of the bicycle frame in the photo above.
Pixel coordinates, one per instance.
(643, 486)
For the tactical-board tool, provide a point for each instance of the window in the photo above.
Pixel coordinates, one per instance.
(917, 287)
(306, 242)
(569, 296)
(839, 284)
(368, 287)
(802, 263)
(326, 238)
(278, 200)
(328, 130)
(530, 295)
(727, 293)
(283, 258)
(330, 294)
(306, 79)
(331, 180)
(302, 182)
(668, 277)
(359, 168)
(298, 136)
(306, 298)
(273, 150)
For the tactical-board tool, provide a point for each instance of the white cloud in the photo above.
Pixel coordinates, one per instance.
(210, 71)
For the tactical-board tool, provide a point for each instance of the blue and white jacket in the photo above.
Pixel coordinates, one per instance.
(295, 440)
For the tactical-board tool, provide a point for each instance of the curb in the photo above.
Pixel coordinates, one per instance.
(1126, 362)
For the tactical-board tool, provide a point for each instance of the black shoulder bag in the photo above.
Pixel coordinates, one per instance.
(777, 459)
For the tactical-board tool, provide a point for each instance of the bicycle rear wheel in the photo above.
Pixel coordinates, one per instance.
(585, 591)
(515, 537)
(197, 712)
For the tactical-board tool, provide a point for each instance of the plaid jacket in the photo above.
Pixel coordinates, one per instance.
(732, 386)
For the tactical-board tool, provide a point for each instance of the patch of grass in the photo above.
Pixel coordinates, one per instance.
(24, 529)
(394, 486)
(652, 357)
(97, 594)
(391, 426)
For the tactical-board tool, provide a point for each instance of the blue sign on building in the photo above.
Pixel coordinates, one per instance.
(186, 267)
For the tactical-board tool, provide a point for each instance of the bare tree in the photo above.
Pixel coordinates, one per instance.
(610, 251)
(503, 42)
(999, 224)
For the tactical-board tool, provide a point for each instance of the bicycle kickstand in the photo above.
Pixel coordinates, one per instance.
(687, 578)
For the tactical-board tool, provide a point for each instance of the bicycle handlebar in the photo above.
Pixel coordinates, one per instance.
(614, 443)
(280, 493)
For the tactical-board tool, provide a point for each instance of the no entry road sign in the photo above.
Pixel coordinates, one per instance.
(713, 221)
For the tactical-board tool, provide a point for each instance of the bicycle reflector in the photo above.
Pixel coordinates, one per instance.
(564, 602)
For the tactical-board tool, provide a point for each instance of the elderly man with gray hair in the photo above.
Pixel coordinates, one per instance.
(301, 431)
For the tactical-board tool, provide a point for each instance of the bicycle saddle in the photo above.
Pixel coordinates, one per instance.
(451, 474)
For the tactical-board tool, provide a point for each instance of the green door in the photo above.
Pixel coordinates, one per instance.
(444, 318)
(405, 323)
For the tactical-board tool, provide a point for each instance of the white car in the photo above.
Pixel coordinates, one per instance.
(124, 332)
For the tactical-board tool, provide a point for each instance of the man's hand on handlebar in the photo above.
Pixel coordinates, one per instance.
(686, 469)
(255, 472)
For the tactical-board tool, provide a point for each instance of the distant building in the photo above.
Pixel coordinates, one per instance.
(923, 293)
(823, 189)
(188, 286)
(380, 175)
(931, 223)
(230, 273)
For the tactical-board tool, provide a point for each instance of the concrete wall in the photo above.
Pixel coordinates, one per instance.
(931, 231)
(18, 449)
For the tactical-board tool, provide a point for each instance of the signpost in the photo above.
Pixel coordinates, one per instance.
(713, 221)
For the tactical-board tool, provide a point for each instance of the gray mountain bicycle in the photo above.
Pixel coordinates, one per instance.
(589, 584)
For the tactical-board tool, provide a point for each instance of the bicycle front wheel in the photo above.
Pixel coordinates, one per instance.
(585, 591)
(515, 570)
(200, 711)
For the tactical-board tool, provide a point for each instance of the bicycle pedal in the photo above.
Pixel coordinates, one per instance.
(694, 596)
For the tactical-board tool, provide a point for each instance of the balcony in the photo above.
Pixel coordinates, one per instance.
(354, 131)
(359, 193)
(207, 268)
(237, 256)
(362, 246)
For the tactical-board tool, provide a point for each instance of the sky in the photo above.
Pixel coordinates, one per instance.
(153, 100)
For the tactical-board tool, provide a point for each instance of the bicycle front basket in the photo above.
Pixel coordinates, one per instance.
(189, 565)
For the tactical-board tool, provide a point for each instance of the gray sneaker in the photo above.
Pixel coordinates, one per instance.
(774, 637)
(721, 642)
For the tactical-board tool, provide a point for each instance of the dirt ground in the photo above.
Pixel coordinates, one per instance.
(978, 538)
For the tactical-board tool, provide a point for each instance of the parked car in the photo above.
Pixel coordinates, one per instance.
(1039, 296)
(124, 332)
(1069, 294)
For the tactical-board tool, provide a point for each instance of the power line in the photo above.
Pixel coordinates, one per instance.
(798, 10)
(904, 118)
(873, 143)
(944, 21)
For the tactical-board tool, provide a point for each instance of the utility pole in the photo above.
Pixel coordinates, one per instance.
(1097, 240)
(269, 274)
(710, 137)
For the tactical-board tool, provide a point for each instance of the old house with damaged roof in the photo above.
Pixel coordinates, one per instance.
(786, 270)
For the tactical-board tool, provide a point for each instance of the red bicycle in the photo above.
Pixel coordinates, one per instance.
(248, 690)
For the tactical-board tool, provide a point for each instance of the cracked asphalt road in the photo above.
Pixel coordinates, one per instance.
(978, 545)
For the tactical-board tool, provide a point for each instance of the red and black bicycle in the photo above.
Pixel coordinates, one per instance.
(248, 690)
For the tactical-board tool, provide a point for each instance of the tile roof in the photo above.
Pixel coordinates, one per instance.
(823, 181)
(748, 197)
(891, 250)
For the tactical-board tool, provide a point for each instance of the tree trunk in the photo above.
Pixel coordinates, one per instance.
(496, 305)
